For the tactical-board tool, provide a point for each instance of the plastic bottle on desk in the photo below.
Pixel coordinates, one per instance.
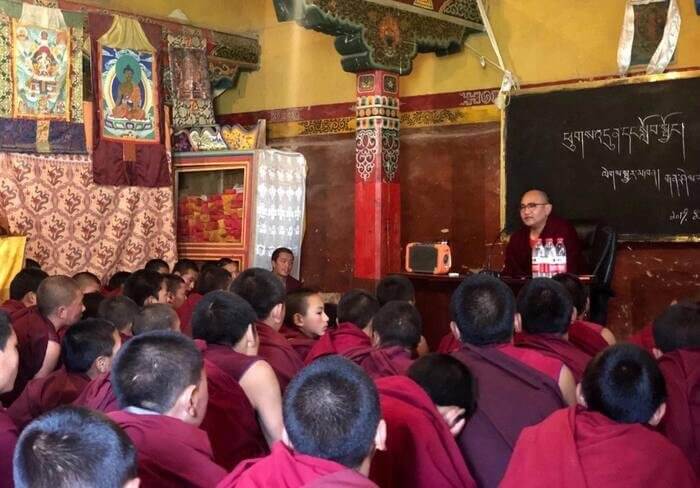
(550, 257)
(560, 249)
(537, 259)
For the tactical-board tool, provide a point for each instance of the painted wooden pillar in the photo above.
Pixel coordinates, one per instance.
(377, 189)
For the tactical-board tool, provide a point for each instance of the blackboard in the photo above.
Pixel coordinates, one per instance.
(626, 153)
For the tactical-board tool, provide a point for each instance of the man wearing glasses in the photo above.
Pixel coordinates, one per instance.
(539, 223)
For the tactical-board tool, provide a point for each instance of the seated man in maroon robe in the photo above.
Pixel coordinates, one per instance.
(356, 309)
(420, 447)
(115, 285)
(161, 385)
(605, 441)
(282, 263)
(74, 447)
(305, 319)
(156, 316)
(540, 223)
(589, 336)
(210, 278)
(248, 418)
(23, 288)
(145, 287)
(546, 311)
(88, 282)
(188, 271)
(512, 394)
(9, 360)
(157, 265)
(59, 305)
(333, 426)
(87, 349)
(677, 338)
(396, 333)
(177, 290)
(121, 311)
(266, 294)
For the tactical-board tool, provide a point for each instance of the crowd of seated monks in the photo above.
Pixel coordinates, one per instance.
(217, 377)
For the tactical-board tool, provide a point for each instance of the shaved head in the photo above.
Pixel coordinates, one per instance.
(535, 193)
(56, 291)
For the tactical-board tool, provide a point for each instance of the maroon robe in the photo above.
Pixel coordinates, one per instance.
(277, 351)
(575, 448)
(11, 307)
(339, 340)
(301, 343)
(519, 251)
(511, 396)
(8, 439)
(384, 361)
(291, 284)
(98, 395)
(587, 337)
(556, 347)
(448, 344)
(170, 452)
(421, 450)
(43, 394)
(644, 338)
(230, 422)
(185, 311)
(681, 424)
(34, 332)
(534, 359)
(284, 468)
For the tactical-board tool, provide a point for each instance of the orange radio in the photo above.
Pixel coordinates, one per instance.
(428, 257)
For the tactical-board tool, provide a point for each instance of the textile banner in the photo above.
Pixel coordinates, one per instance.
(12, 259)
(129, 122)
(41, 79)
(75, 225)
(280, 199)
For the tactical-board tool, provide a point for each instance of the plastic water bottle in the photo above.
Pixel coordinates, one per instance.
(561, 256)
(537, 259)
(550, 257)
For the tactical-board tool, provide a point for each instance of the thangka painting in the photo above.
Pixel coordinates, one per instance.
(41, 65)
(128, 95)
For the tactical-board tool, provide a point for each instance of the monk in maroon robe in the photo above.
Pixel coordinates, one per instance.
(161, 384)
(245, 405)
(155, 316)
(23, 288)
(305, 320)
(121, 311)
(266, 294)
(9, 359)
(59, 305)
(546, 311)
(333, 438)
(356, 309)
(88, 350)
(282, 261)
(210, 279)
(483, 311)
(98, 395)
(604, 442)
(420, 449)
(677, 336)
(145, 287)
(539, 223)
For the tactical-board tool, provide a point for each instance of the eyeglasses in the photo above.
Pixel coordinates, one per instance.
(531, 206)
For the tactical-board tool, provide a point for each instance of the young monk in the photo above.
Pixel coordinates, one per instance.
(23, 288)
(161, 385)
(71, 447)
(157, 265)
(88, 282)
(677, 338)
(604, 442)
(421, 450)
(265, 293)
(356, 309)
(249, 387)
(211, 278)
(59, 305)
(156, 316)
(115, 285)
(396, 333)
(188, 271)
(229, 265)
(395, 287)
(512, 394)
(121, 311)
(177, 290)
(305, 320)
(588, 336)
(546, 311)
(9, 360)
(145, 287)
(88, 349)
(332, 425)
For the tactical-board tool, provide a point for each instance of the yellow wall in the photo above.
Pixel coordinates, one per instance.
(541, 41)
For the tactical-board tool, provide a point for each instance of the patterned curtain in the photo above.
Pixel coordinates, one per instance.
(74, 225)
(279, 205)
